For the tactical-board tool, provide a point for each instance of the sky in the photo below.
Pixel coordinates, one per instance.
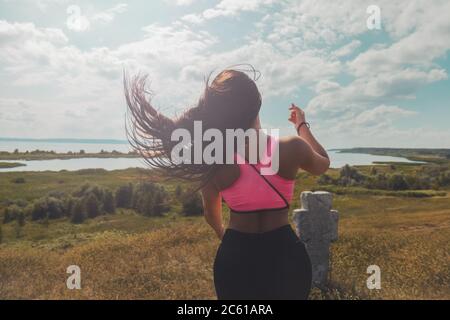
(62, 63)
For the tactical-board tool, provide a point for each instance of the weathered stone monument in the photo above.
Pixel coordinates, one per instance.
(317, 227)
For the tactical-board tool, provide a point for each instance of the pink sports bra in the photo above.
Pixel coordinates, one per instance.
(254, 192)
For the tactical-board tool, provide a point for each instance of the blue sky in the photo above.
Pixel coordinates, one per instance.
(61, 64)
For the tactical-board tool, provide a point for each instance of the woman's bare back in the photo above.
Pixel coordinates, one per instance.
(265, 221)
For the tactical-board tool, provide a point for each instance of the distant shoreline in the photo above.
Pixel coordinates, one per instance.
(436, 155)
(49, 155)
(66, 140)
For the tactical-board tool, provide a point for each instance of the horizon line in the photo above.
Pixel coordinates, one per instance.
(120, 141)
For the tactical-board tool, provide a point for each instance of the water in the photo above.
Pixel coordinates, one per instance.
(338, 160)
(77, 164)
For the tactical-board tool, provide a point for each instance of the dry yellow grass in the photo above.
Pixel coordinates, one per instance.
(169, 263)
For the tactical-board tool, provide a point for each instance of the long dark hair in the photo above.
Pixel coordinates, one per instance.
(231, 101)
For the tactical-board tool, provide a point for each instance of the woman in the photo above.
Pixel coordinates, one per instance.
(260, 256)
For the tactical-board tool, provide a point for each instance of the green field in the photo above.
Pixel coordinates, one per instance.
(130, 256)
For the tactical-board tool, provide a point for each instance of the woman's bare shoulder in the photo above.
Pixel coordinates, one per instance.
(289, 144)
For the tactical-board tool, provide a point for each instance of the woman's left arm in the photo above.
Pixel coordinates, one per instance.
(212, 205)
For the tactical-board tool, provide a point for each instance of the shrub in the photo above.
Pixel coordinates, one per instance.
(192, 204)
(89, 188)
(150, 199)
(444, 179)
(349, 174)
(398, 182)
(92, 205)
(39, 210)
(109, 204)
(11, 213)
(20, 218)
(325, 179)
(124, 196)
(56, 194)
(68, 203)
(78, 212)
(55, 208)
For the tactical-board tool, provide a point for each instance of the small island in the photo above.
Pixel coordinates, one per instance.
(424, 154)
(52, 155)
(9, 165)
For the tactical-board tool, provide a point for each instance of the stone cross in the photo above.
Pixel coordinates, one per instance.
(317, 226)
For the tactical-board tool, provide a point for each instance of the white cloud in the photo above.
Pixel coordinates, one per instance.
(228, 8)
(109, 14)
(181, 2)
(347, 49)
(317, 45)
(80, 22)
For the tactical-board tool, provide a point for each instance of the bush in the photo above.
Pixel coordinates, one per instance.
(325, 179)
(11, 213)
(192, 204)
(39, 210)
(109, 203)
(56, 194)
(92, 205)
(20, 218)
(55, 208)
(398, 182)
(350, 176)
(124, 196)
(78, 212)
(444, 179)
(150, 199)
(68, 203)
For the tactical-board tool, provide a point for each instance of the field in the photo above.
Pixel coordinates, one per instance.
(130, 256)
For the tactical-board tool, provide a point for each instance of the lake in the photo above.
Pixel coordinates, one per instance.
(338, 160)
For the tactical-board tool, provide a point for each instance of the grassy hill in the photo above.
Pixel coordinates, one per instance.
(130, 256)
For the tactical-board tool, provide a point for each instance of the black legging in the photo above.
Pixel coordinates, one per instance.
(262, 266)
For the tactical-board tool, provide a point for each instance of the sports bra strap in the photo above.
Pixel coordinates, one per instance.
(271, 185)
